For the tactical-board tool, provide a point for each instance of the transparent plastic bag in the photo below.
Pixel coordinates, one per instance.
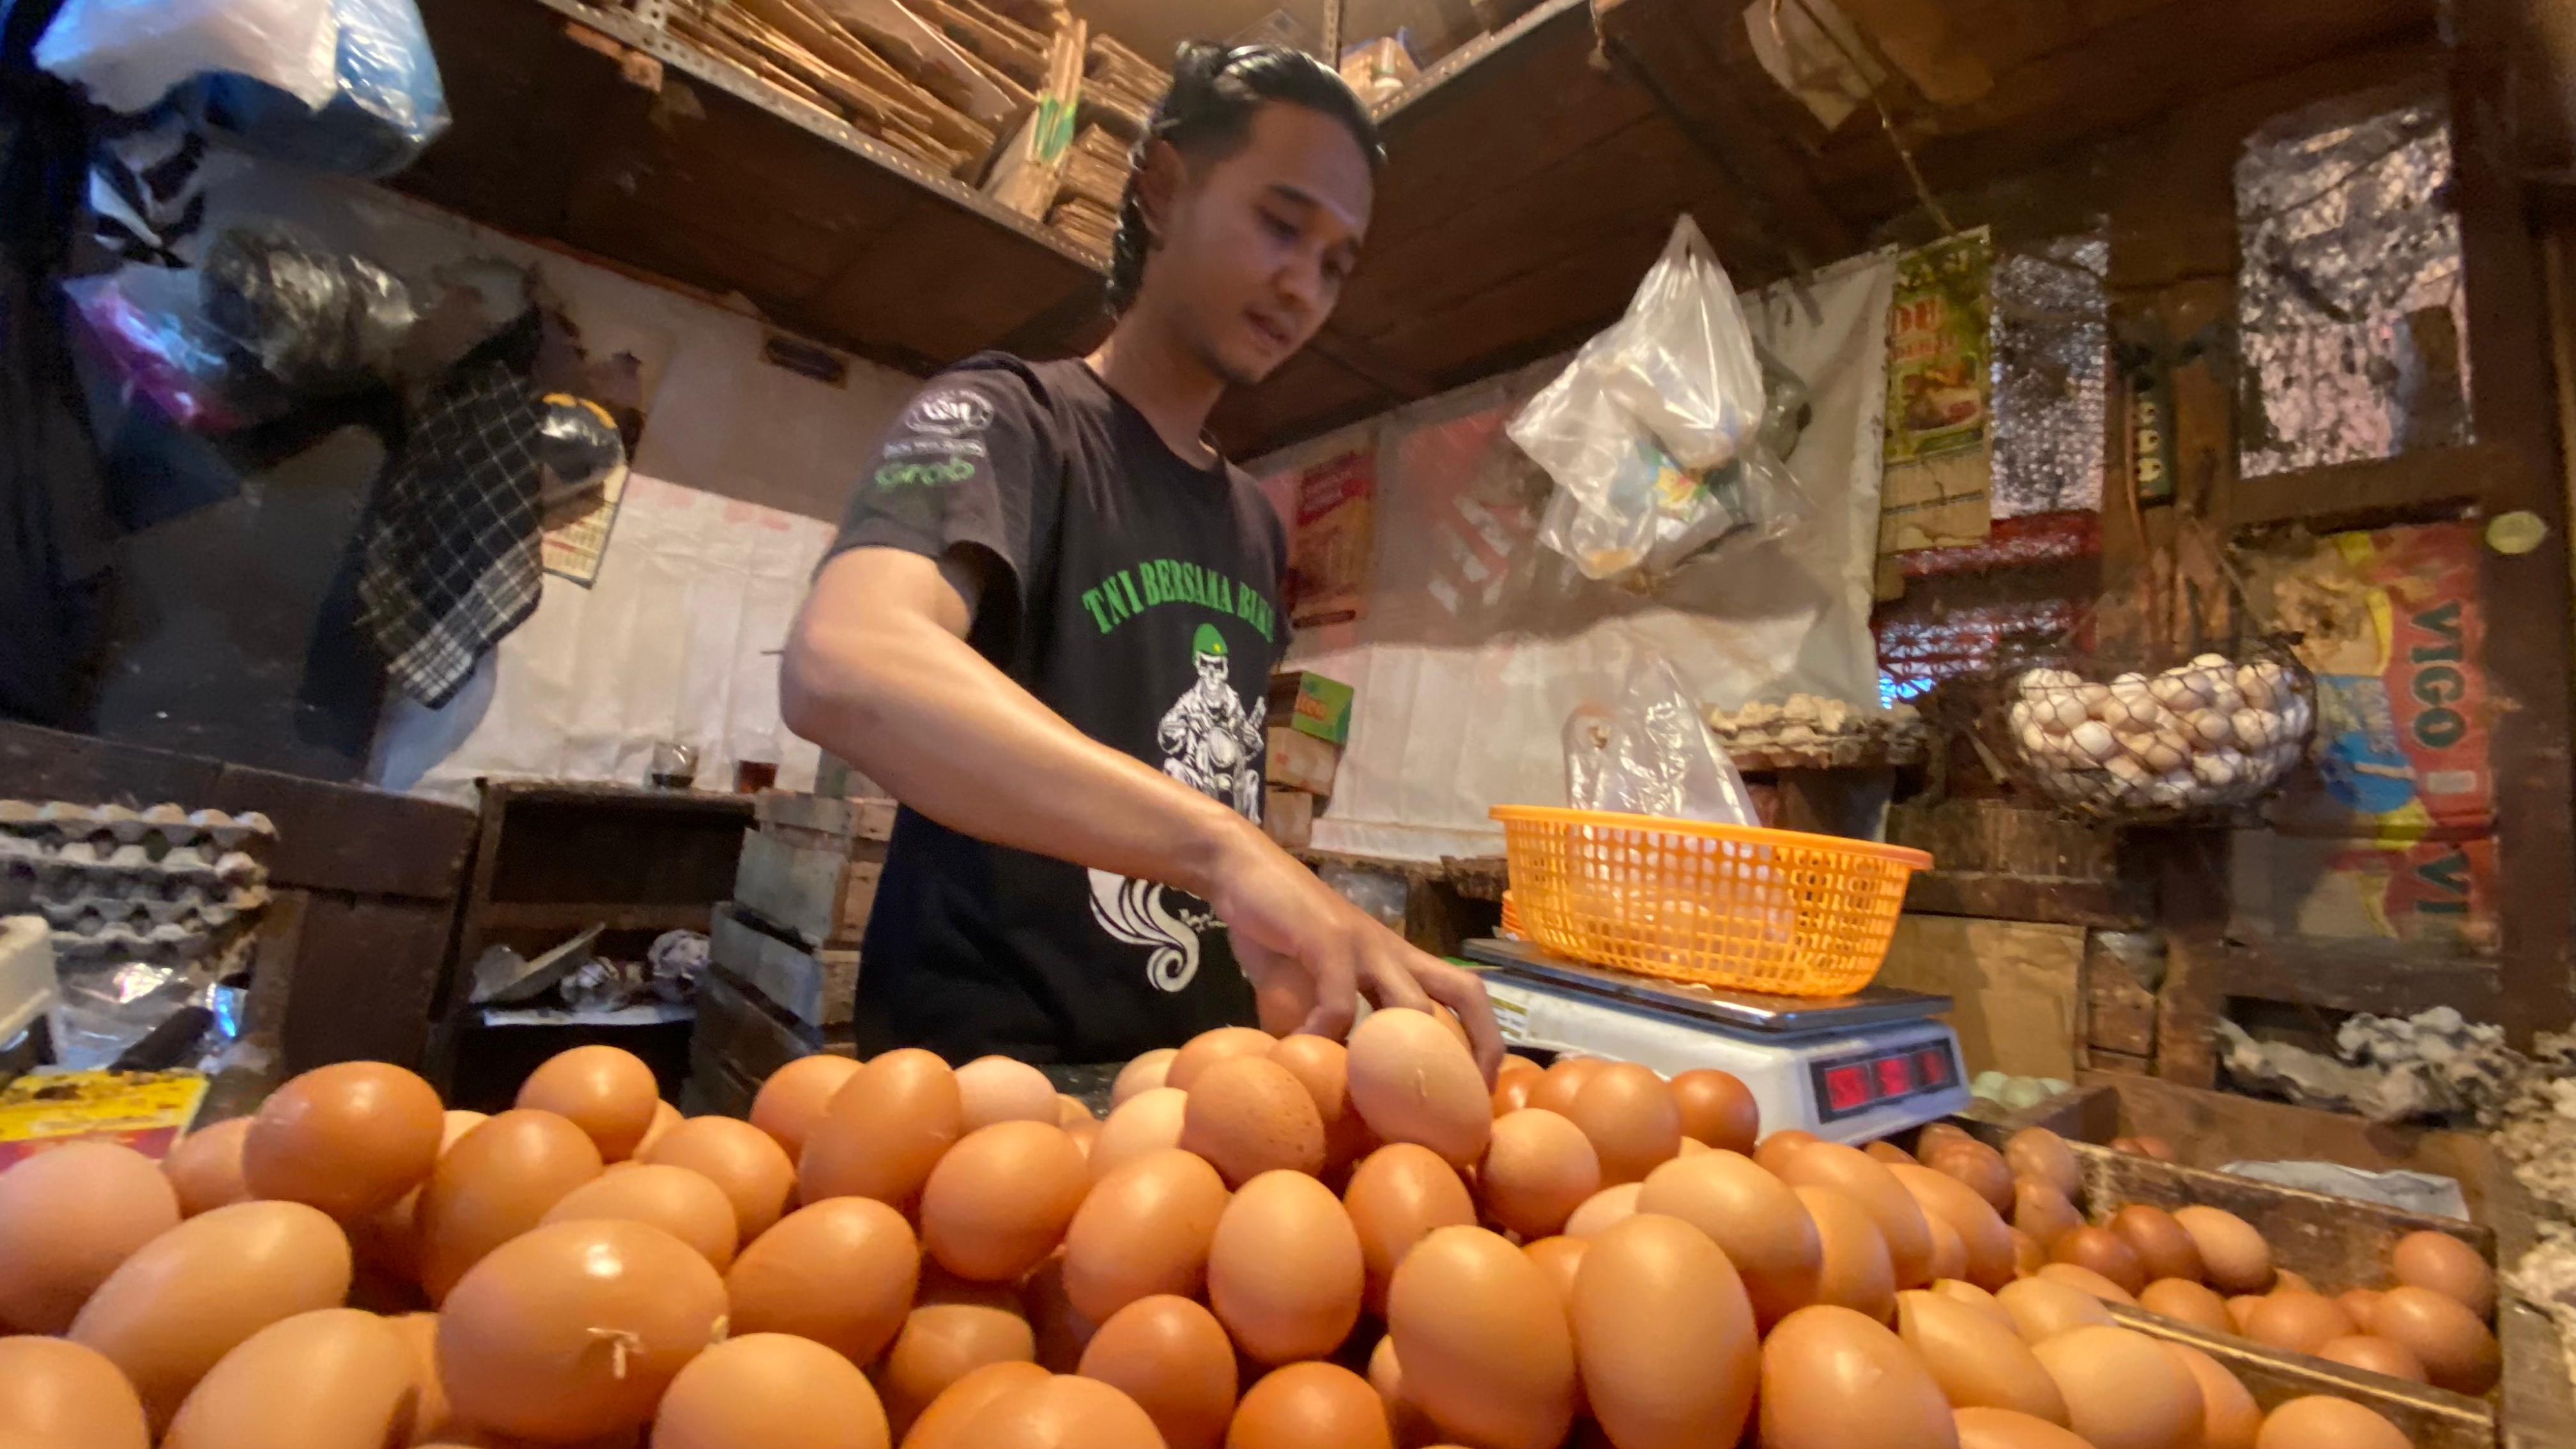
(387, 102)
(1664, 436)
(127, 54)
(1652, 754)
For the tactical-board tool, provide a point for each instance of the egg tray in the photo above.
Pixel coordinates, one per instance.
(63, 867)
(57, 822)
(2203, 739)
(1805, 731)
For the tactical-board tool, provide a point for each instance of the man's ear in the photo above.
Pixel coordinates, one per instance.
(1159, 185)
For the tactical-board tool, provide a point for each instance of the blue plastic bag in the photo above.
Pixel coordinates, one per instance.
(388, 103)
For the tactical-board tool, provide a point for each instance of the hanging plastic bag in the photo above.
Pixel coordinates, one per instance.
(1652, 754)
(387, 104)
(1664, 435)
(127, 54)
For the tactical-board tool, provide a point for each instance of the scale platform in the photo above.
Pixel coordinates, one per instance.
(1847, 1068)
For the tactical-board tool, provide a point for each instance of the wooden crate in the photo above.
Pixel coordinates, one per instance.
(2430, 1418)
(739, 1040)
(817, 987)
(811, 863)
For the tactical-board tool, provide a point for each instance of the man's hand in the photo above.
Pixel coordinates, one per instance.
(1301, 944)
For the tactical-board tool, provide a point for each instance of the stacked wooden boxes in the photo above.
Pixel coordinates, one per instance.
(1309, 722)
(785, 950)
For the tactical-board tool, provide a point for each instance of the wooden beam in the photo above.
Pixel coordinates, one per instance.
(1665, 47)
(2376, 491)
(2383, 979)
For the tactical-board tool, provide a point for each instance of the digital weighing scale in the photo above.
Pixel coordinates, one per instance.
(1847, 1068)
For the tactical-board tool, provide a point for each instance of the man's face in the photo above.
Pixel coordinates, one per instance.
(1255, 247)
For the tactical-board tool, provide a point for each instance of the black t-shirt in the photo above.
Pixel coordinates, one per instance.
(1137, 595)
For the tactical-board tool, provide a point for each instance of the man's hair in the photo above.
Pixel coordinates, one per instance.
(1207, 115)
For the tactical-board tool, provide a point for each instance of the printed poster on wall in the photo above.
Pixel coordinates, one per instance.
(1328, 554)
(1940, 390)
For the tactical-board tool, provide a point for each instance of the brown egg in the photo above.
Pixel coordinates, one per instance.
(519, 1340)
(1000, 1200)
(1150, 1122)
(186, 1298)
(771, 1390)
(354, 1386)
(2378, 1355)
(674, 1199)
(2152, 1147)
(1212, 1046)
(2164, 1250)
(841, 1272)
(884, 1131)
(1984, 1240)
(206, 1168)
(994, 1089)
(2240, 1309)
(68, 1217)
(1512, 1091)
(1484, 1341)
(1978, 1166)
(2457, 1351)
(1664, 1336)
(1900, 1221)
(1557, 1086)
(1062, 1330)
(2041, 1211)
(2443, 1263)
(2359, 1303)
(1404, 1417)
(2043, 1156)
(1603, 1208)
(1833, 1379)
(1949, 1254)
(2004, 1429)
(2322, 1422)
(1071, 1111)
(1632, 1120)
(942, 1424)
(1250, 1115)
(1322, 1066)
(494, 1184)
(1853, 1271)
(2185, 1301)
(1308, 1404)
(1144, 1230)
(2085, 1280)
(59, 1395)
(1172, 1357)
(432, 1419)
(607, 1092)
(1398, 1195)
(1773, 1155)
(2123, 1389)
(1977, 1361)
(746, 1164)
(2283, 1278)
(1753, 1217)
(1142, 1074)
(955, 1329)
(1929, 1139)
(665, 1117)
(2299, 1322)
(1974, 1297)
(2042, 1309)
(1285, 1271)
(2104, 1252)
(1560, 1258)
(2229, 1418)
(796, 1096)
(349, 1138)
(1065, 1412)
(1890, 1153)
(1414, 1082)
(1538, 1169)
(2028, 1256)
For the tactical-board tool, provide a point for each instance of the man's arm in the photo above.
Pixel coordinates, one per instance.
(878, 671)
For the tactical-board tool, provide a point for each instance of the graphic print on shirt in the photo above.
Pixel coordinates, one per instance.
(1212, 743)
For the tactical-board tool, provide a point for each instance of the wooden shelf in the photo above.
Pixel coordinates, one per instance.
(571, 916)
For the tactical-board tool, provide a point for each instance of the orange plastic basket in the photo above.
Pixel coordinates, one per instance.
(1728, 906)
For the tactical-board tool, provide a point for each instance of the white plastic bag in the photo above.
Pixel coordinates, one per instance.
(1656, 434)
(1653, 754)
(127, 54)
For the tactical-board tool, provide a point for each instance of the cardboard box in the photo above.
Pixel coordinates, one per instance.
(1301, 761)
(1311, 704)
(2419, 892)
(1289, 816)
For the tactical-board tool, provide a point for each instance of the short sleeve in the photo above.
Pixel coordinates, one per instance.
(961, 468)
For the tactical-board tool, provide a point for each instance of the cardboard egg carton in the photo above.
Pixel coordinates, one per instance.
(1807, 732)
(161, 884)
(60, 822)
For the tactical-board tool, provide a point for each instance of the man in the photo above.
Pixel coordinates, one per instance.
(1050, 618)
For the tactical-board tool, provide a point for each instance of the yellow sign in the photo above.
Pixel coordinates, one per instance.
(143, 1110)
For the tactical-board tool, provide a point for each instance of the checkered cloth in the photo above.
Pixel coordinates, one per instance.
(452, 560)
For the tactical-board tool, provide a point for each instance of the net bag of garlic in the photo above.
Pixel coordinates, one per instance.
(2202, 737)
